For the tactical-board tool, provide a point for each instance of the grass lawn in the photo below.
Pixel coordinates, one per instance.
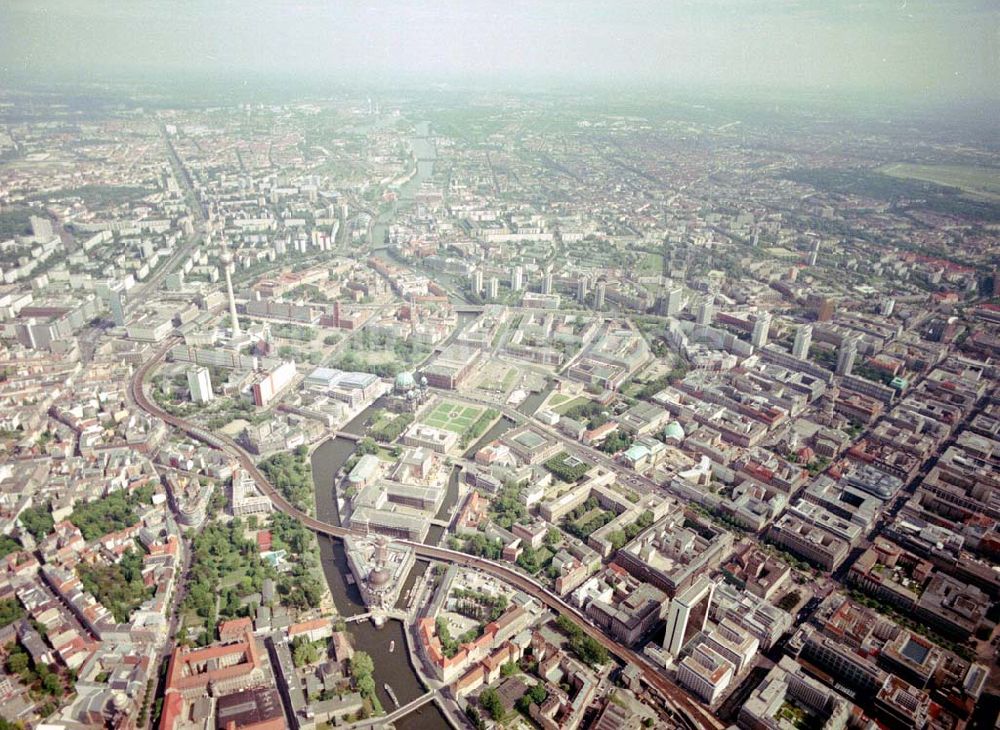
(232, 579)
(570, 404)
(454, 417)
(378, 357)
(653, 263)
(193, 621)
(508, 379)
(984, 181)
(588, 516)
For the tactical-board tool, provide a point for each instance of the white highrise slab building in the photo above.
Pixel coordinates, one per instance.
(116, 303)
(846, 355)
(675, 300)
(516, 278)
(760, 329)
(706, 311)
(688, 614)
(803, 340)
(200, 385)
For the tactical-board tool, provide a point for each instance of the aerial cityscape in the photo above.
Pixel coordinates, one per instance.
(376, 404)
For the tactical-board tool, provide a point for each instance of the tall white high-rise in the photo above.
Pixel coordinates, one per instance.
(706, 311)
(803, 339)
(200, 385)
(814, 254)
(758, 337)
(492, 288)
(675, 300)
(582, 287)
(516, 278)
(226, 257)
(477, 281)
(688, 614)
(41, 228)
(888, 305)
(599, 295)
(116, 303)
(547, 283)
(846, 355)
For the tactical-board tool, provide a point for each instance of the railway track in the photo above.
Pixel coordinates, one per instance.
(685, 710)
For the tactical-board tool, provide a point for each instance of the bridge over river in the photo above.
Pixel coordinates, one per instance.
(683, 707)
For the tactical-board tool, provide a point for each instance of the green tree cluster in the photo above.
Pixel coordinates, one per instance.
(291, 474)
(615, 442)
(478, 545)
(304, 651)
(479, 605)
(507, 508)
(586, 648)
(471, 713)
(479, 426)
(9, 545)
(490, 700)
(390, 429)
(653, 387)
(299, 588)
(363, 673)
(528, 560)
(110, 514)
(289, 331)
(366, 446)
(789, 601)
(568, 473)
(534, 696)
(119, 586)
(42, 680)
(37, 521)
(450, 644)
(219, 551)
(584, 529)
(10, 611)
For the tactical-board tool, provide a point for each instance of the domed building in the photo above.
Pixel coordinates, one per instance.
(380, 568)
(406, 394)
(405, 382)
(380, 590)
(674, 432)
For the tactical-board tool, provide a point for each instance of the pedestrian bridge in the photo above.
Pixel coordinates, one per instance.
(397, 714)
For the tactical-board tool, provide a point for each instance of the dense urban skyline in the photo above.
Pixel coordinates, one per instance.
(499, 366)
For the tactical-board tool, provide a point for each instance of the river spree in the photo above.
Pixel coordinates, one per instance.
(393, 668)
(424, 153)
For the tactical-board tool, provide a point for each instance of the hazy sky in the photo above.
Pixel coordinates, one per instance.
(922, 47)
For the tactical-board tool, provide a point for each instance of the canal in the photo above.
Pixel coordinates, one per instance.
(530, 404)
(424, 152)
(393, 668)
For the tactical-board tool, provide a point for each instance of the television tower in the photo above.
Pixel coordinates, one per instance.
(226, 257)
